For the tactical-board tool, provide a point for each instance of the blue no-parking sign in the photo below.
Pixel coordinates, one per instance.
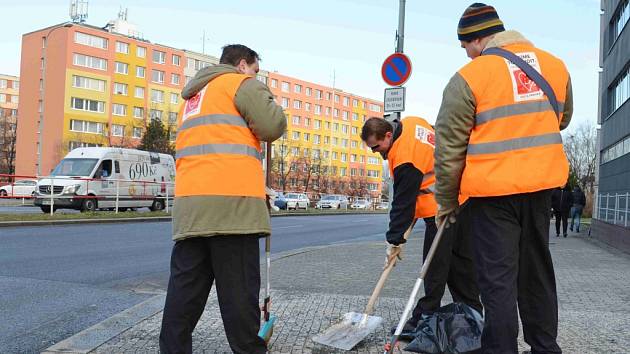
(396, 69)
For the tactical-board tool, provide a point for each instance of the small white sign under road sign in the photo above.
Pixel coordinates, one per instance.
(394, 99)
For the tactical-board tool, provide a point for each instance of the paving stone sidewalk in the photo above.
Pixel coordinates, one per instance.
(312, 289)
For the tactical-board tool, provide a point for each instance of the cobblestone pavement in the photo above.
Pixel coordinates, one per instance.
(311, 290)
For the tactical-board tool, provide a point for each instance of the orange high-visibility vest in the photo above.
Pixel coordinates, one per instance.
(515, 145)
(416, 145)
(217, 153)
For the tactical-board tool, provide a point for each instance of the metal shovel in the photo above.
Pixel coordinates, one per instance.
(354, 326)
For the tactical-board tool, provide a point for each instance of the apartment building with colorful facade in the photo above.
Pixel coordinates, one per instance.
(93, 86)
(322, 151)
(9, 100)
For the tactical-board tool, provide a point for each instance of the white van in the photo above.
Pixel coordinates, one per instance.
(94, 178)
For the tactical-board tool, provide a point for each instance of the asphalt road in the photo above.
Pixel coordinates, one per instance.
(59, 280)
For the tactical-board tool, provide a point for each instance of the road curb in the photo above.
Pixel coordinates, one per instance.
(141, 219)
(95, 336)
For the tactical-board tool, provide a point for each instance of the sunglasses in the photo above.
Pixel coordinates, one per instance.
(373, 148)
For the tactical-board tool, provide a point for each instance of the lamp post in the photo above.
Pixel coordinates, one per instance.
(43, 93)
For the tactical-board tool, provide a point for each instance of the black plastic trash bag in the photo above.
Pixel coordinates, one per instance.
(454, 329)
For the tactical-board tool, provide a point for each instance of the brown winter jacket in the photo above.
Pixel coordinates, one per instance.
(203, 216)
(455, 122)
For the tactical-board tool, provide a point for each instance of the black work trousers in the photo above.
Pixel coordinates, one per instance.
(511, 242)
(233, 262)
(564, 217)
(452, 264)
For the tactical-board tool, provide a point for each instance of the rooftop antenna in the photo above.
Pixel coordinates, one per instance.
(78, 10)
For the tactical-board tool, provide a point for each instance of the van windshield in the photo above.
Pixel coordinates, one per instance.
(74, 167)
(329, 197)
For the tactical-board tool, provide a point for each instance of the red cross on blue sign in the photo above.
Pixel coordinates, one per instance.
(396, 69)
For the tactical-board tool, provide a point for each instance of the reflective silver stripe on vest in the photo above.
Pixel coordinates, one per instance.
(429, 190)
(427, 176)
(236, 149)
(514, 144)
(515, 109)
(212, 119)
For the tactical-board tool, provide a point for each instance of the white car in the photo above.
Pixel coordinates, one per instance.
(333, 201)
(382, 206)
(297, 201)
(360, 204)
(19, 188)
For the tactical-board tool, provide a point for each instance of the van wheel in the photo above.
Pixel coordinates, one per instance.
(122, 209)
(158, 205)
(89, 205)
(45, 208)
(3, 193)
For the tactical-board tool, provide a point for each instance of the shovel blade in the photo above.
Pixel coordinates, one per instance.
(352, 329)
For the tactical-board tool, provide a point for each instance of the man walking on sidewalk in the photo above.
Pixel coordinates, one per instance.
(220, 206)
(579, 201)
(498, 141)
(561, 202)
(408, 146)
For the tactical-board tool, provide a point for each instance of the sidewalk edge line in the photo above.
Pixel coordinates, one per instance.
(93, 337)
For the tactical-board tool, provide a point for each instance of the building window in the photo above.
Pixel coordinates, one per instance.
(307, 106)
(345, 115)
(4, 84)
(141, 52)
(307, 136)
(285, 102)
(138, 112)
(316, 139)
(336, 98)
(274, 83)
(318, 110)
(262, 79)
(307, 122)
(620, 91)
(119, 109)
(157, 96)
(375, 108)
(297, 88)
(90, 40)
(137, 132)
(187, 79)
(355, 116)
(372, 173)
(89, 62)
(175, 79)
(346, 101)
(122, 47)
(297, 104)
(87, 83)
(176, 59)
(318, 94)
(139, 92)
(336, 113)
(296, 120)
(372, 160)
(355, 130)
(353, 144)
(16, 85)
(174, 98)
(172, 117)
(285, 86)
(83, 104)
(83, 126)
(619, 20)
(155, 114)
(296, 136)
(159, 57)
(295, 151)
(327, 111)
(120, 89)
(157, 76)
(3, 98)
(118, 130)
(14, 99)
(308, 91)
(140, 71)
(335, 141)
(122, 68)
(317, 124)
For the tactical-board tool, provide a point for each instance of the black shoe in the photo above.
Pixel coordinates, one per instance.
(571, 228)
(565, 235)
(557, 235)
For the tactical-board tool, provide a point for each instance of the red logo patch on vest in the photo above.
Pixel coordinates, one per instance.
(523, 87)
(193, 104)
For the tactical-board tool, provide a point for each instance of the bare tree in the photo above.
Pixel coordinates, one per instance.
(580, 147)
(8, 137)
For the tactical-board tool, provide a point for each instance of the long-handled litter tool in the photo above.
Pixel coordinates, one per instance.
(389, 347)
(266, 329)
(354, 326)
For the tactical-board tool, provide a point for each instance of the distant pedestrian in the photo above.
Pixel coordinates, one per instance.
(579, 201)
(561, 202)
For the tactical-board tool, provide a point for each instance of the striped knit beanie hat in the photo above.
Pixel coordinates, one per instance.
(478, 21)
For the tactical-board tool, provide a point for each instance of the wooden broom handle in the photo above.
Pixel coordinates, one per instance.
(381, 281)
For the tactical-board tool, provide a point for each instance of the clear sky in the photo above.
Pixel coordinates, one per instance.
(312, 39)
